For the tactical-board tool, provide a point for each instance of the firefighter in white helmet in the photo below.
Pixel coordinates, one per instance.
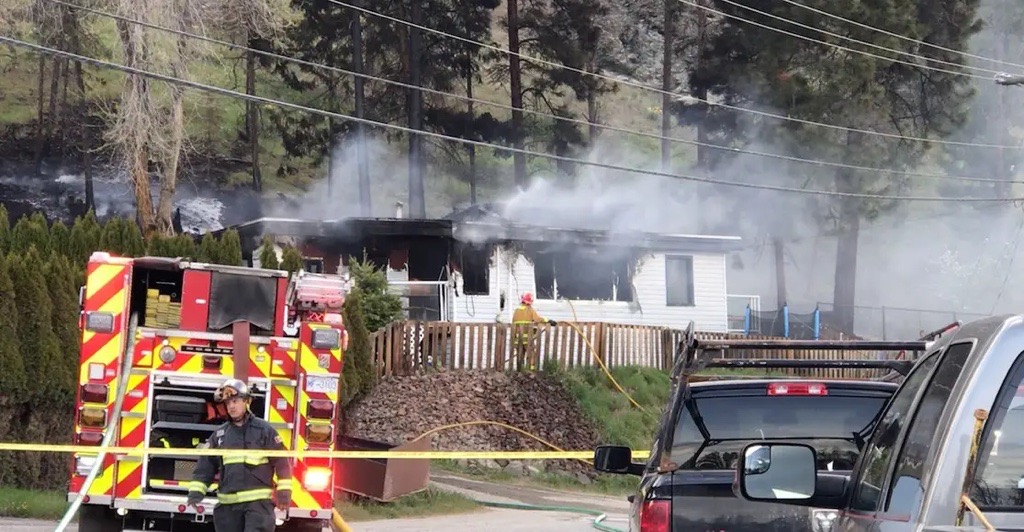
(245, 496)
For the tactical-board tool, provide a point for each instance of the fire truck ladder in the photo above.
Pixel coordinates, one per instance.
(108, 438)
(316, 293)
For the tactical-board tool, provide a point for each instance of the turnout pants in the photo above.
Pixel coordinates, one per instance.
(255, 516)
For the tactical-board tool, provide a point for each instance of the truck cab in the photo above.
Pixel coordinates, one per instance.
(947, 454)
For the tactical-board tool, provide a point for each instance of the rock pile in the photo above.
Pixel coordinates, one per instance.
(402, 408)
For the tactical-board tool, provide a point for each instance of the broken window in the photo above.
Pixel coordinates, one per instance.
(584, 274)
(474, 263)
(679, 281)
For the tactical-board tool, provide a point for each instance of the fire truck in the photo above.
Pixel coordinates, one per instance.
(159, 335)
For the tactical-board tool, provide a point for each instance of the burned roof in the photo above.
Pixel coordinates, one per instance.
(479, 224)
(485, 222)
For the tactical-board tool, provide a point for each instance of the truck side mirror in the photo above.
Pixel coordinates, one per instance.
(616, 459)
(777, 471)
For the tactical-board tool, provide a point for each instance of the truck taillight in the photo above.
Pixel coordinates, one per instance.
(317, 479)
(797, 388)
(92, 417)
(94, 393)
(656, 516)
(320, 409)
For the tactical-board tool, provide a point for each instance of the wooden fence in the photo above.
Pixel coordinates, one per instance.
(405, 346)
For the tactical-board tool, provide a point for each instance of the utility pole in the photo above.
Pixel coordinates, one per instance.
(417, 203)
(363, 163)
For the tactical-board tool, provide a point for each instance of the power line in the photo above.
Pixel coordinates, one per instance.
(865, 43)
(311, 64)
(330, 114)
(903, 37)
(811, 39)
(664, 92)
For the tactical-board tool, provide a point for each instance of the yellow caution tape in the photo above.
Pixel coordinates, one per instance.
(433, 455)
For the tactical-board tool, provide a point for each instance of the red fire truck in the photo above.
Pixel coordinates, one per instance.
(163, 334)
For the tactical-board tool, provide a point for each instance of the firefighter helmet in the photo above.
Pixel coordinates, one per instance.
(527, 298)
(232, 388)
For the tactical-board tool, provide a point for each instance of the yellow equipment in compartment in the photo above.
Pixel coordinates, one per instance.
(160, 311)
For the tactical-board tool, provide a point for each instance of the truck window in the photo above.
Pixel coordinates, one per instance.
(999, 479)
(828, 423)
(878, 455)
(905, 495)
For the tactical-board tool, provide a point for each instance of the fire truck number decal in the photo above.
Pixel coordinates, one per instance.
(321, 384)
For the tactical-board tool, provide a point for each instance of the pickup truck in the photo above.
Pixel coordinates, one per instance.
(947, 453)
(687, 483)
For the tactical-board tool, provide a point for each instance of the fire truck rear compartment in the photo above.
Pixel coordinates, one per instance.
(182, 417)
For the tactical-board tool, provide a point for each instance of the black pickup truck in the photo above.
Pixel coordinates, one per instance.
(686, 484)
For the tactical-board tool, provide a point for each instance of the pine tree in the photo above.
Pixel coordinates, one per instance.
(184, 246)
(359, 354)
(131, 239)
(209, 249)
(380, 306)
(85, 237)
(160, 246)
(12, 378)
(268, 255)
(291, 259)
(30, 232)
(61, 286)
(111, 237)
(39, 346)
(5, 230)
(231, 248)
(60, 238)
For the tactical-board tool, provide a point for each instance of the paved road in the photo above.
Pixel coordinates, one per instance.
(505, 520)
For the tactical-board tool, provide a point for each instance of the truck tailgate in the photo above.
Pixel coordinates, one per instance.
(703, 501)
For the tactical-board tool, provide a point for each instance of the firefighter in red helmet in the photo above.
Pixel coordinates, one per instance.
(522, 319)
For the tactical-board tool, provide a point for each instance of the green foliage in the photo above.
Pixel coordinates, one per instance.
(60, 239)
(268, 257)
(39, 346)
(209, 249)
(12, 378)
(291, 259)
(618, 421)
(30, 232)
(61, 284)
(380, 305)
(85, 237)
(5, 229)
(359, 355)
(231, 248)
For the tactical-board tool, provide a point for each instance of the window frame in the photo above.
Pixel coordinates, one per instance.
(858, 479)
(691, 284)
(1004, 397)
(886, 509)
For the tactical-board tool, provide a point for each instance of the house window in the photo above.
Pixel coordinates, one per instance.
(679, 281)
(583, 276)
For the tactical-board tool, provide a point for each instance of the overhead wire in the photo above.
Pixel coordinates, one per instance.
(902, 37)
(577, 121)
(289, 105)
(681, 96)
(851, 39)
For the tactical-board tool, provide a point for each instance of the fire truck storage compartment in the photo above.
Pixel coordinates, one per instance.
(156, 290)
(183, 417)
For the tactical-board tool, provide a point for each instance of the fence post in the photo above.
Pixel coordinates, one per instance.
(817, 323)
(746, 320)
(884, 338)
(785, 320)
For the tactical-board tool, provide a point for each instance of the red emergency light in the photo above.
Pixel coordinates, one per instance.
(797, 388)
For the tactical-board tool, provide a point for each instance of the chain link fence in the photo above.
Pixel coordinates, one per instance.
(895, 323)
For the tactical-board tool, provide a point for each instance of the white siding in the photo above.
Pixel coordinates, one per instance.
(514, 275)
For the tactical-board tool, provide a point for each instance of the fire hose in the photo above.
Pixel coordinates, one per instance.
(122, 389)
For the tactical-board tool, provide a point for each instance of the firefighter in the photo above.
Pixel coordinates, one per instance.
(245, 501)
(523, 317)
